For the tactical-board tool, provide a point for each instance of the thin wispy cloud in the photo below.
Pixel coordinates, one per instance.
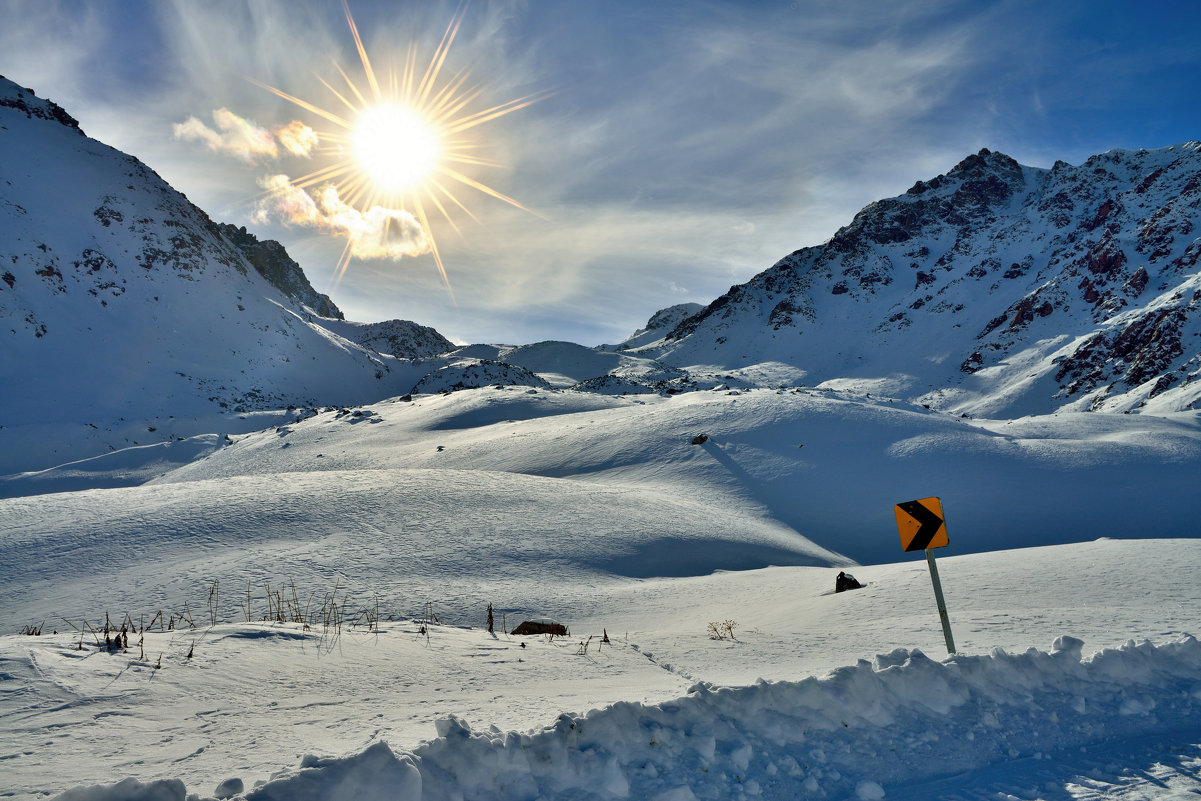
(245, 139)
(234, 135)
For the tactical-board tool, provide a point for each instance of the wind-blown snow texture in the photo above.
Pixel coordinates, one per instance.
(897, 720)
(671, 708)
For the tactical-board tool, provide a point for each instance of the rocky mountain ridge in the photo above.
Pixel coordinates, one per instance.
(993, 289)
(272, 262)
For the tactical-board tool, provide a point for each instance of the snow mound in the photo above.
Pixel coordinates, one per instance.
(400, 338)
(565, 363)
(916, 718)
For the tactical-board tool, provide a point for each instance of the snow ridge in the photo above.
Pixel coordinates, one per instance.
(917, 719)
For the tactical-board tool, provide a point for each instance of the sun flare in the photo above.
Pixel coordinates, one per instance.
(399, 145)
(396, 147)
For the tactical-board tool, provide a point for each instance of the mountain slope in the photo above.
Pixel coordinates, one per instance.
(128, 317)
(994, 289)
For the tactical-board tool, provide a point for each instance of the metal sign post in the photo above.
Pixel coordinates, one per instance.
(942, 605)
(923, 528)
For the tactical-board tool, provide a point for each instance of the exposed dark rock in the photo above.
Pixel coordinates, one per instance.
(1106, 259)
(1136, 283)
(1026, 311)
(32, 106)
(1103, 213)
(269, 258)
(532, 627)
(1148, 181)
(1015, 271)
(1136, 353)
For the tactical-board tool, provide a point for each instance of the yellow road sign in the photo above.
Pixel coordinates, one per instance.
(921, 524)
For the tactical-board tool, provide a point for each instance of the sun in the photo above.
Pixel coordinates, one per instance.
(396, 147)
(404, 142)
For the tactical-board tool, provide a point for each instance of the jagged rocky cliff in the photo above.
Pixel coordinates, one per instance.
(272, 262)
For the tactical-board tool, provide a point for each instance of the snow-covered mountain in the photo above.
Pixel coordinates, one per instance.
(995, 289)
(661, 323)
(131, 318)
(602, 488)
(566, 364)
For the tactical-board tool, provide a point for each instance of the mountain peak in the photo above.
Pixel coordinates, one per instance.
(986, 174)
(991, 289)
(131, 318)
(32, 106)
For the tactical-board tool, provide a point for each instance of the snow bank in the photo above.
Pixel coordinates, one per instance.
(853, 733)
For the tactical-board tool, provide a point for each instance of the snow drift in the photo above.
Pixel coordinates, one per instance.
(860, 730)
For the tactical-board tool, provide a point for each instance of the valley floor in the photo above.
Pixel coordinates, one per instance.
(675, 714)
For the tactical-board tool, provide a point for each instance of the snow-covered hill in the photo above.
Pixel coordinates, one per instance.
(481, 481)
(130, 318)
(566, 364)
(661, 323)
(995, 289)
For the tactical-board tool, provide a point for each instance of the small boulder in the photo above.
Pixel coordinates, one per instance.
(540, 627)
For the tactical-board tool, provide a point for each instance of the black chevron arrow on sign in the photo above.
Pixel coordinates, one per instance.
(928, 522)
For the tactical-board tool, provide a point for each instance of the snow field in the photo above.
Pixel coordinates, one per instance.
(498, 485)
(828, 465)
(600, 512)
(255, 699)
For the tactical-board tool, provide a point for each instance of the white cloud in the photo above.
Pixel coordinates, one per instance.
(287, 203)
(235, 135)
(380, 233)
(297, 138)
(247, 140)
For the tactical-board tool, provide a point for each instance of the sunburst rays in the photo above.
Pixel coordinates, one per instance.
(403, 141)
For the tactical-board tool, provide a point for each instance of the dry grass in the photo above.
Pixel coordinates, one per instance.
(721, 629)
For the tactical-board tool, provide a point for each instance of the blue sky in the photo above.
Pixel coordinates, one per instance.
(685, 147)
